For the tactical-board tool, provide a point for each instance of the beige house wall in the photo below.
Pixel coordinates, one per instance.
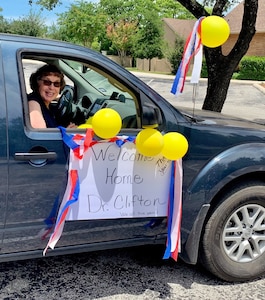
(157, 65)
(169, 36)
(127, 60)
(256, 47)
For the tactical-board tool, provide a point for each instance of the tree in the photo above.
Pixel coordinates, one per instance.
(172, 9)
(3, 23)
(220, 68)
(32, 25)
(48, 4)
(82, 23)
(54, 32)
(121, 35)
(118, 10)
(148, 40)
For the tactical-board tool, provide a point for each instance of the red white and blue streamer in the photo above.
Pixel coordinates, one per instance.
(174, 211)
(58, 229)
(193, 48)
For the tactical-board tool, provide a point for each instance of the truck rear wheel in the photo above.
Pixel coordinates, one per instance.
(233, 243)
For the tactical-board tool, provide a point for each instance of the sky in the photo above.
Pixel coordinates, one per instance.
(14, 9)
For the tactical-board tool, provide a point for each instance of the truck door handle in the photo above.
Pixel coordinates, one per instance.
(31, 156)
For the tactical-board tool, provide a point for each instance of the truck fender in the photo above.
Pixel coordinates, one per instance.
(226, 166)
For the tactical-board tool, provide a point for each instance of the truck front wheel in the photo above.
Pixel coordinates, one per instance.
(233, 243)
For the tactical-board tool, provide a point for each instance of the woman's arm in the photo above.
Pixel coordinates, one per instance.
(35, 114)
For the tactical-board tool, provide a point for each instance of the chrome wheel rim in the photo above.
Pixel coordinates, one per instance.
(243, 237)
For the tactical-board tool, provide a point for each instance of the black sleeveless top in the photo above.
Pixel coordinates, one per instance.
(48, 114)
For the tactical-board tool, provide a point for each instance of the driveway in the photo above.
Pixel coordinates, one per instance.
(128, 274)
(245, 99)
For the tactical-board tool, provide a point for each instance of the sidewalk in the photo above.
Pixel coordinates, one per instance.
(172, 77)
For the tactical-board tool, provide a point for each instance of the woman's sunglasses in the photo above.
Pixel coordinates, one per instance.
(48, 82)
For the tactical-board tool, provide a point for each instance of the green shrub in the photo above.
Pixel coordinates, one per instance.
(251, 68)
(175, 56)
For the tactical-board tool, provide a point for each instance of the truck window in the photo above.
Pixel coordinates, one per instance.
(87, 90)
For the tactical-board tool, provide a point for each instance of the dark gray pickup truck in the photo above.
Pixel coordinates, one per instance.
(223, 219)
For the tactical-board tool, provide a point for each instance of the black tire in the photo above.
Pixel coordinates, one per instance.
(233, 243)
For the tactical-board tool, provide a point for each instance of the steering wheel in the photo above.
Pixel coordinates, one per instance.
(64, 103)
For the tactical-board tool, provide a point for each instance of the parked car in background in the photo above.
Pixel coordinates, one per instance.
(223, 219)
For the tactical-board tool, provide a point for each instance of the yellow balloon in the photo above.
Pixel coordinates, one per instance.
(85, 125)
(214, 31)
(88, 123)
(149, 142)
(175, 146)
(106, 123)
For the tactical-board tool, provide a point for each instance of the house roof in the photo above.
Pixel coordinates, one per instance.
(234, 18)
(182, 27)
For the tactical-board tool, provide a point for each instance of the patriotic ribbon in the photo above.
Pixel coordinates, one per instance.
(70, 139)
(193, 47)
(72, 142)
(74, 193)
(174, 211)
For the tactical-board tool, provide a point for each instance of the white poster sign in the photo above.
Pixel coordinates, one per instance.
(118, 182)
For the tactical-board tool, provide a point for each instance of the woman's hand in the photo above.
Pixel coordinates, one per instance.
(72, 125)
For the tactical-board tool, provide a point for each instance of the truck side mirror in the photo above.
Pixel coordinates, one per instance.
(151, 116)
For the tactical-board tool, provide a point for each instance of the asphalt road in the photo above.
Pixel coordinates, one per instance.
(135, 273)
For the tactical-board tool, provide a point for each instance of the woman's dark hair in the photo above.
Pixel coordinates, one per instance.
(44, 71)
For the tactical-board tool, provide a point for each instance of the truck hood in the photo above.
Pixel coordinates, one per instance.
(214, 118)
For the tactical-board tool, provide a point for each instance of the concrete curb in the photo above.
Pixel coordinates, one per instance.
(256, 84)
(259, 87)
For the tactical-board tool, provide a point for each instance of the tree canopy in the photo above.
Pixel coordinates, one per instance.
(82, 23)
(144, 39)
(220, 67)
(48, 4)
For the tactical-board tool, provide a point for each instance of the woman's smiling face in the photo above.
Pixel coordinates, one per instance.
(49, 88)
